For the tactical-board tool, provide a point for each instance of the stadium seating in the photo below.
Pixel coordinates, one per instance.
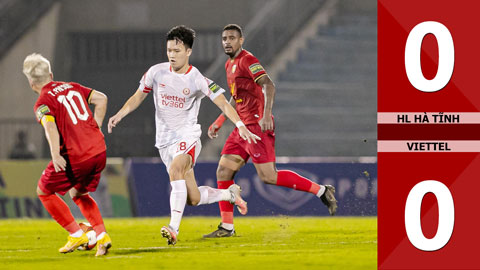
(16, 16)
(329, 92)
(326, 99)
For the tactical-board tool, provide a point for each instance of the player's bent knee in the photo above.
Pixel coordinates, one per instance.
(270, 179)
(193, 202)
(224, 173)
(228, 167)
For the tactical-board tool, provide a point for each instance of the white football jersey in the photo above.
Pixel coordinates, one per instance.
(177, 100)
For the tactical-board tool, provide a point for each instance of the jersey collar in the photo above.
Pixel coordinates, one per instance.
(188, 70)
(48, 86)
(238, 55)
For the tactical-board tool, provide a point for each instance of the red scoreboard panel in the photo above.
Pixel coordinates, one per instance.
(428, 134)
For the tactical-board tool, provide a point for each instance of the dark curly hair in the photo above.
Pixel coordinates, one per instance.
(182, 33)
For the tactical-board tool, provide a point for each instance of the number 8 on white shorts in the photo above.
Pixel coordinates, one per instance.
(190, 147)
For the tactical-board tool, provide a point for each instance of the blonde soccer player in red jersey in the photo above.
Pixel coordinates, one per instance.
(253, 93)
(77, 147)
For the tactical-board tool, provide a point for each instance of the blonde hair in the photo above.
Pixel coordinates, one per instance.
(37, 68)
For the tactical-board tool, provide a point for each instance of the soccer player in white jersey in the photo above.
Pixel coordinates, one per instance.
(178, 88)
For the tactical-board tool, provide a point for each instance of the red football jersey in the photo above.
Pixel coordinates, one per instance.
(242, 74)
(80, 136)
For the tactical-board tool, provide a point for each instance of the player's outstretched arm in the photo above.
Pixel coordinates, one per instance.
(217, 124)
(53, 138)
(132, 103)
(99, 100)
(230, 112)
(266, 123)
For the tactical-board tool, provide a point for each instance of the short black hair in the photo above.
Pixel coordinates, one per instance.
(182, 33)
(235, 27)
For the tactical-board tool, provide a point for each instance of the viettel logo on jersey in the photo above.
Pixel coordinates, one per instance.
(287, 199)
(186, 91)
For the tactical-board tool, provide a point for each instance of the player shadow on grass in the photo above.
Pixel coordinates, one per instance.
(131, 251)
(145, 250)
(127, 252)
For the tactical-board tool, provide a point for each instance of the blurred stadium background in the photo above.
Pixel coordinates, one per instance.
(321, 54)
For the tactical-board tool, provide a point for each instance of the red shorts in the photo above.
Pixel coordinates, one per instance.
(83, 176)
(261, 152)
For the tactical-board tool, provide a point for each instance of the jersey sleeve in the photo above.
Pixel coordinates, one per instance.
(253, 67)
(210, 88)
(42, 108)
(85, 91)
(146, 83)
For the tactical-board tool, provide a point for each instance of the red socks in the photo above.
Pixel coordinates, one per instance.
(59, 211)
(90, 211)
(226, 208)
(292, 180)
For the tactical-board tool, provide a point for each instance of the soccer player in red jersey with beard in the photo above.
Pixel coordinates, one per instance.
(77, 147)
(253, 93)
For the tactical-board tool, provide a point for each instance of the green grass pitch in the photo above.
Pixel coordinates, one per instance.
(261, 243)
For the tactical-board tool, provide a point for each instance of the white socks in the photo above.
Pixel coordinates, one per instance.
(210, 195)
(101, 235)
(77, 233)
(321, 191)
(178, 199)
(227, 226)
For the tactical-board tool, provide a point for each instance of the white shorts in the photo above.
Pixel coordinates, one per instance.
(190, 147)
